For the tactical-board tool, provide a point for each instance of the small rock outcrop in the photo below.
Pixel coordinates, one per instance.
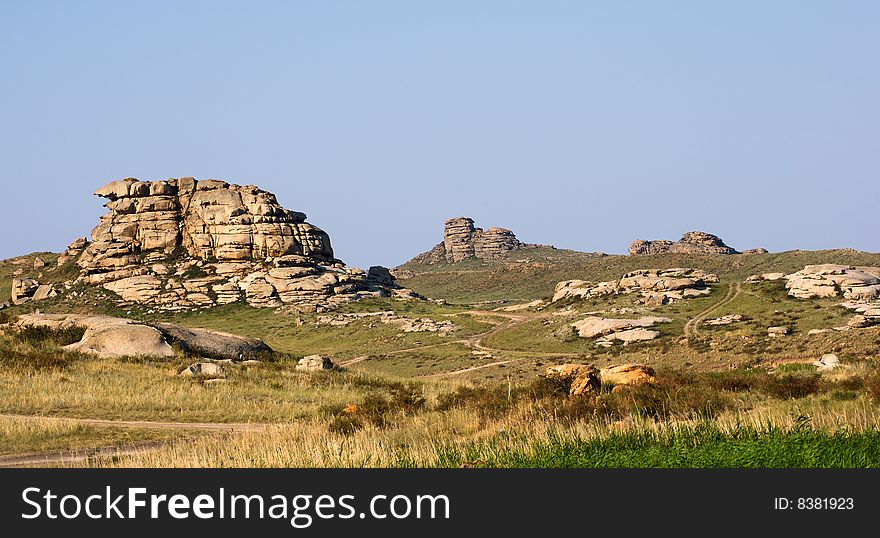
(313, 363)
(830, 280)
(657, 286)
(690, 243)
(204, 370)
(579, 378)
(611, 329)
(28, 289)
(627, 375)
(182, 243)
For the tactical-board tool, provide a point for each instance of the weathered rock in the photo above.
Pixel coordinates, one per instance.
(627, 375)
(657, 286)
(829, 280)
(184, 244)
(628, 336)
(39, 263)
(207, 370)
(123, 340)
(111, 336)
(313, 363)
(593, 326)
(860, 321)
(23, 290)
(775, 332)
(827, 362)
(582, 379)
(724, 320)
(213, 343)
(756, 251)
(690, 243)
(463, 241)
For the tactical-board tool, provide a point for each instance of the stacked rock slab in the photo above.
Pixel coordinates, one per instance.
(185, 243)
(463, 241)
(656, 286)
(690, 243)
(830, 280)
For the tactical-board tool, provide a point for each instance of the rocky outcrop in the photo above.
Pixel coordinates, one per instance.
(657, 286)
(463, 241)
(831, 280)
(627, 375)
(623, 330)
(28, 289)
(690, 243)
(73, 251)
(580, 379)
(108, 336)
(184, 243)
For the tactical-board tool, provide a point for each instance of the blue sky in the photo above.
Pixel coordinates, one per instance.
(581, 124)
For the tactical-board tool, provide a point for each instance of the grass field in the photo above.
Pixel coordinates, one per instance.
(726, 396)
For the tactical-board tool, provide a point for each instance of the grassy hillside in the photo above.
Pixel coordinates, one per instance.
(533, 272)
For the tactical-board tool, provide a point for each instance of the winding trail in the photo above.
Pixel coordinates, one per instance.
(692, 327)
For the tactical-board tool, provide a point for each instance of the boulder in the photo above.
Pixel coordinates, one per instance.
(111, 336)
(775, 332)
(123, 340)
(312, 363)
(827, 362)
(582, 379)
(206, 370)
(23, 290)
(627, 375)
(213, 343)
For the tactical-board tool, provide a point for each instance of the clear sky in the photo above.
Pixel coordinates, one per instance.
(581, 124)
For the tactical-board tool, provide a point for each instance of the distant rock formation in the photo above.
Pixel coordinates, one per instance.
(184, 243)
(690, 243)
(463, 241)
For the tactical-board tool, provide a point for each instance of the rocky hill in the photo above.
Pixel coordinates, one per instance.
(690, 243)
(463, 241)
(184, 243)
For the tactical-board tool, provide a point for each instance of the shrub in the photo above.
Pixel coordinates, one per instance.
(489, 402)
(789, 387)
(41, 335)
(872, 385)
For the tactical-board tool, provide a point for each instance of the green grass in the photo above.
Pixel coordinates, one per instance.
(511, 280)
(686, 447)
(42, 435)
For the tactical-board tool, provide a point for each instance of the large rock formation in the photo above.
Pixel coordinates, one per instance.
(462, 241)
(185, 243)
(690, 243)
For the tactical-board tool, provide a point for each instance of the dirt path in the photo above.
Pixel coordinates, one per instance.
(202, 426)
(61, 457)
(692, 327)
